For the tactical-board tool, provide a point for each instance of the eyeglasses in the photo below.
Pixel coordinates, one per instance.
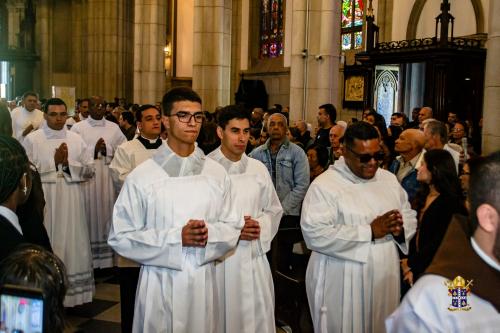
(185, 117)
(365, 158)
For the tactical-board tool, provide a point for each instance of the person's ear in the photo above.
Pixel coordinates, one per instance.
(164, 120)
(220, 132)
(487, 217)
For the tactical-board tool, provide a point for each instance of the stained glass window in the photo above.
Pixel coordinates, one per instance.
(352, 24)
(271, 28)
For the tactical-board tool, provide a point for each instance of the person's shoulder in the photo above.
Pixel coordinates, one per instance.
(145, 173)
(213, 168)
(257, 165)
(34, 136)
(386, 175)
(110, 124)
(128, 146)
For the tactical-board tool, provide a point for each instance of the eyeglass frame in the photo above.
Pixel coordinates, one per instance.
(361, 157)
(191, 115)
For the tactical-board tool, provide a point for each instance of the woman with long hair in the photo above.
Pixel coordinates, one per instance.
(438, 198)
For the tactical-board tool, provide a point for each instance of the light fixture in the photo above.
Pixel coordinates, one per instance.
(167, 49)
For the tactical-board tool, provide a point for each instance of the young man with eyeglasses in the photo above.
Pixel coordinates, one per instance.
(65, 162)
(355, 215)
(174, 216)
(244, 275)
(102, 138)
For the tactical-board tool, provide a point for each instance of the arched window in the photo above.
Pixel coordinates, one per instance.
(352, 24)
(271, 28)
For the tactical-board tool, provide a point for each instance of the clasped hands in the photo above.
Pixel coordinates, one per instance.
(251, 229)
(389, 223)
(61, 155)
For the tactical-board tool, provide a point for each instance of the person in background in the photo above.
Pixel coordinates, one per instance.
(317, 157)
(126, 121)
(26, 118)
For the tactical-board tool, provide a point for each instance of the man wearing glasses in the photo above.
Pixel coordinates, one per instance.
(174, 217)
(354, 217)
(102, 138)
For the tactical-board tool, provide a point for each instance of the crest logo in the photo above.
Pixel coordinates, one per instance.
(459, 289)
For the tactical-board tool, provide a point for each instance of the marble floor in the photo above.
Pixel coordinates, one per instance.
(103, 314)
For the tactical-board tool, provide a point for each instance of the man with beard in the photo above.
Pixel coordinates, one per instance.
(470, 251)
(354, 217)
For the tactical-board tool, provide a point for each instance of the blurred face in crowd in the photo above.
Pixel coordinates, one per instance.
(56, 117)
(458, 131)
(277, 127)
(97, 108)
(30, 102)
(424, 114)
(452, 117)
(396, 120)
(84, 109)
(323, 117)
(336, 133)
(150, 124)
(234, 138)
(312, 157)
(424, 175)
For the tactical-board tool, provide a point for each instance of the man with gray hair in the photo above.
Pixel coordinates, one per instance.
(289, 169)
(424, 113)
(436, 136)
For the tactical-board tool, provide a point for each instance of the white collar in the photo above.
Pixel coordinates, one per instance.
(54, 134)
(232, 168)
(483, 255)
(92, 122)
(11, 217)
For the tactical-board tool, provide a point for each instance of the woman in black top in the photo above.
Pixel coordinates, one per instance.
(439, 197)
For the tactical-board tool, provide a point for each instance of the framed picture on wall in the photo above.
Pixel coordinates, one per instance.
(354, 88)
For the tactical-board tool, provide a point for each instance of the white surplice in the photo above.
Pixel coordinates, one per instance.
(65, 218)
(244, 274)
(352, 283)
(22, 118)
(127, 156)
(425, 309)
(177, 290)
(99, 192)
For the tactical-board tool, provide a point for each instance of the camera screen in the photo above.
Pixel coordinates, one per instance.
(20, 314)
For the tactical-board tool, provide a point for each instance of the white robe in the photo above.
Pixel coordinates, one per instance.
(99, 192)
(64, 217)
(177, 290)
(352, 283)
(22, 118)
(425, 309)
(127, 156)
(244, 274)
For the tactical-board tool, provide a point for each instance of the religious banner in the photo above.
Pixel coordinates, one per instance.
(68, 95)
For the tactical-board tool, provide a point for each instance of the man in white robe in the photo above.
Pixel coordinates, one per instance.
(174, 217)
(468, 258)
(102, 138)
(64, 162)
(244, 274)
(129, 155)
(26, 118)
(354, 217)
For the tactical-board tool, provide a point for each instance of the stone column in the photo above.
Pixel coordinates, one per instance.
(314, 79)
(491, 114)
(212, 52)
(150, 33)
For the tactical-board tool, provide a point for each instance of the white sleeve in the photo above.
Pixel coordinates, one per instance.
(82, 168)
(269, 220)
(324, 234)
(131, 238)
(223, 235)
(120, 167)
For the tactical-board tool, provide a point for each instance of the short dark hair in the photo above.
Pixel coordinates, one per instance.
(178, 94)
(141, 109)
(83, 100)
(321, 153)
(5, 120)
(13, 164)
(53, 101)
(361, 131)
(484, 184)
(331, 111)
(128, 117)
(30, 93)
(439, 128)
(33, 266)
(231, 112)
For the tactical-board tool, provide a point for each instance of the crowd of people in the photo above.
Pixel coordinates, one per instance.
(188, 205)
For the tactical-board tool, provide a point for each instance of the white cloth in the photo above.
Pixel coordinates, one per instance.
(244, 274)
(425, 309)
(11, 217)
(352, 283)
(177, 290)
(22, 118)
(99, 193)
(128, 155)
(64, 217)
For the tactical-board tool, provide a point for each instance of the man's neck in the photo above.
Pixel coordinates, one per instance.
(327, 125)
(485, 242)
(409, 155)
(275, 144)
(127, 126)
(229, 155)
(95, 118)
(149, 136)
(180, 148)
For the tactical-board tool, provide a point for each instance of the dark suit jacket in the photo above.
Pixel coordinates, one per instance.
(432, 229)
(10, 238)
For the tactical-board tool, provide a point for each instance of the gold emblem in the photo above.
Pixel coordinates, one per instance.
(459, 289)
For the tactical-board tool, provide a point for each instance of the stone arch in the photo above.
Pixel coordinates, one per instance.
(418, 6)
